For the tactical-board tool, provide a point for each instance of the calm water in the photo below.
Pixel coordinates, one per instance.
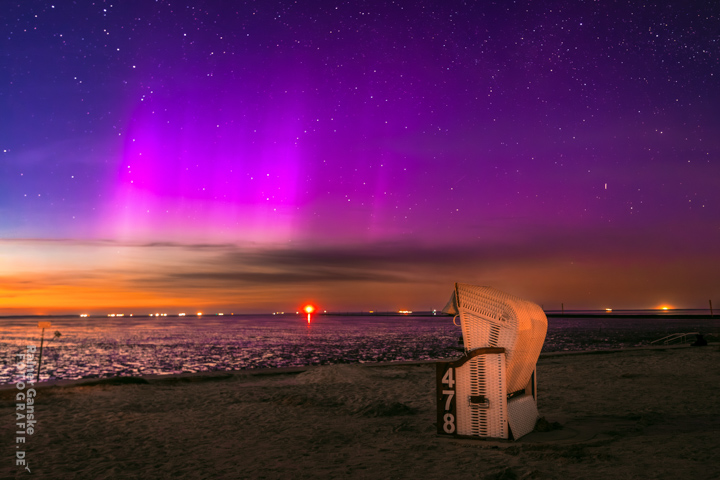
(103, 347)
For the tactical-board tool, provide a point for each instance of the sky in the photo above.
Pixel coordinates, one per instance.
(253, 156)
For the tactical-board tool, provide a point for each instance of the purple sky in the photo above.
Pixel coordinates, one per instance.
(365, 155)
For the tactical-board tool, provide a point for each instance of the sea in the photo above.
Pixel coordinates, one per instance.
(97, 347)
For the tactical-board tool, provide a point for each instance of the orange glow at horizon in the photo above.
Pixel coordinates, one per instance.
(37, 295)
(41, 276)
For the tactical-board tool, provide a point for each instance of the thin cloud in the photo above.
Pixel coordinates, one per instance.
(315, 276)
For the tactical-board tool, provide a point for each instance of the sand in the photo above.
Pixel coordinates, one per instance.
(645, 413)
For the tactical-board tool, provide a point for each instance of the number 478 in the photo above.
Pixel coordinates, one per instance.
(449, 418)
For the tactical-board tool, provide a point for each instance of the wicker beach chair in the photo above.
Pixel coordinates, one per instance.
(491, 391)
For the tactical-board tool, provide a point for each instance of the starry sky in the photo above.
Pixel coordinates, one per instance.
(362, 155)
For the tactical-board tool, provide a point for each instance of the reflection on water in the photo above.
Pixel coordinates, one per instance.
(102, 347)
(99, 347)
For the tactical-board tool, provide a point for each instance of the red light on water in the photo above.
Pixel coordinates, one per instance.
(309, 309)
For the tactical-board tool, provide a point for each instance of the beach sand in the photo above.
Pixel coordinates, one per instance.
(645, 413)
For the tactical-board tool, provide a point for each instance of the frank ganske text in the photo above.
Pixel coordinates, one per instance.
(25, 404)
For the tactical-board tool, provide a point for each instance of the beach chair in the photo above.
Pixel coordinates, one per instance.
(491, 391)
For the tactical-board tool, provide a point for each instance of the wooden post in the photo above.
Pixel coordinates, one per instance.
(711, 311)
(562, 308)
(42, 325)
(42, 338)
